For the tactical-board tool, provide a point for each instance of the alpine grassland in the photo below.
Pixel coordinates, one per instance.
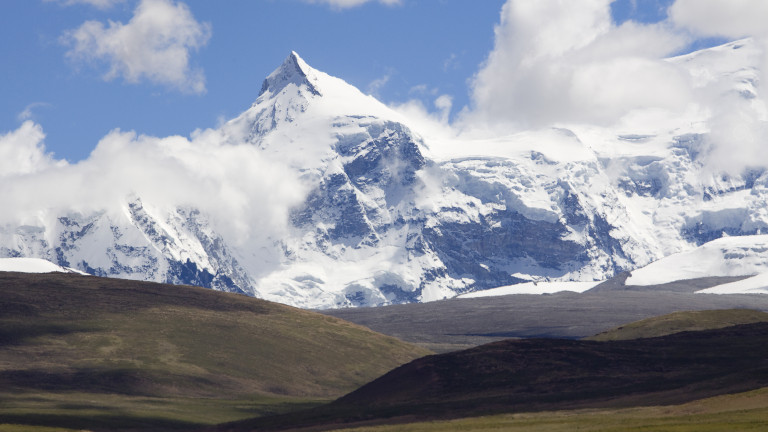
(736, 412)
(87, 352)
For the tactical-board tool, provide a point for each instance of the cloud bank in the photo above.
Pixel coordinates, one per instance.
(553, 62)
(733, 19)
(558, 61)
(233, 185)
(155, 45)
(729, 18)
(22, 152)
(739, 128)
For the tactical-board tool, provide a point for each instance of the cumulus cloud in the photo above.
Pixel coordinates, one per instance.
(345, 4)
(557, 61)
(560, 62)
(738, 139)
(738, 126)
(444, 103)
(233, 185)
(431, 121)
(733, 19)
(23, 152)
(729, 18)
(155, 45)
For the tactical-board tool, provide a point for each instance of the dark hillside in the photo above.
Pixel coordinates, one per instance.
(534, 374)
(553, 374)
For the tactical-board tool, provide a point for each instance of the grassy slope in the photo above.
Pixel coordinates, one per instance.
(734, 412)
(738, 412)
(550, 374)
(41, 411)
(123, 348)
(539, 373)
(681, 321)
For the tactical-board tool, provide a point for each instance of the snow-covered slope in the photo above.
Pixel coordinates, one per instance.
(388, 216)
(132, 241)
(32, 265)
(727, 256)
(533, 288)
(757, 284)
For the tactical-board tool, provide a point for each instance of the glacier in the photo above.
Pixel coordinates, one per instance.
(392, 215)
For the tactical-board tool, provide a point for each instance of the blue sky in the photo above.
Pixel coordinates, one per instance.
(414, 50)
(397, 50)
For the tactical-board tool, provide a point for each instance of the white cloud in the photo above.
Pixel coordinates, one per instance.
(738, 139)
(155, 45)
(558, 61)
(233, 185)
(27, 113)
(729, 18)
(430, 121)
(452, 62)
(101, 4)
(22, 152)
(432, 124)
(732, 19)
(377, 84)
(422, 89)
(444, 103)
(738, 128)
(345, 4)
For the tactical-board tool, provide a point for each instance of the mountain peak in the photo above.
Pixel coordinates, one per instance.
(294, 70)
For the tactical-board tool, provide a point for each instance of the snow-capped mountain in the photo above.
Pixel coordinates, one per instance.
(133, 242)
(392, 216)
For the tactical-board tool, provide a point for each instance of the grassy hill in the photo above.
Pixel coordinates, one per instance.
(746, 411)
(519, 376)
(75, 348)
(681, 321)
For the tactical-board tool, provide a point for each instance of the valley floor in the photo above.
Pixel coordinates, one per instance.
(68, 411)
(462, 323)
(737, 412)
(109, 325)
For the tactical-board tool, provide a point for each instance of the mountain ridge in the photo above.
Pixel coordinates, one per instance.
(294, 70)
(544, 375)
(385, 215)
